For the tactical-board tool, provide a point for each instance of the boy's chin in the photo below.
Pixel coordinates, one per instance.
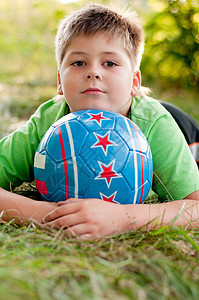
(93, 107)
(122, 111)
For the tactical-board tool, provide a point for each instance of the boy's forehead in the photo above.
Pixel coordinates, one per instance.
(100, 40)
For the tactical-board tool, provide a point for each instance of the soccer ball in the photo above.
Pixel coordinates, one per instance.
(94, 154)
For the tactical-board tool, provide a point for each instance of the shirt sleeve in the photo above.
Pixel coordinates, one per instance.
(175, 172)
(17, 150)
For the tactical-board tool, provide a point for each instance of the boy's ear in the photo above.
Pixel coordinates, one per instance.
(59, 86)
(136, 84)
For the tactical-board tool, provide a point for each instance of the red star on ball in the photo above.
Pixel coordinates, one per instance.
(111, 198)
(107, 172)
(103, 141)
(97, 117)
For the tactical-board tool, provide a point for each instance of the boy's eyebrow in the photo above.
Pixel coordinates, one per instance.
(76, 52)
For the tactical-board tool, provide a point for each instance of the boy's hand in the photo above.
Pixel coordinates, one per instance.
(87, 218)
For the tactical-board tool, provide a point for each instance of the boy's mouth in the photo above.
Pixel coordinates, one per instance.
(92, 91)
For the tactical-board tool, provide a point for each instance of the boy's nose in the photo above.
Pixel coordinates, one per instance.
(93, 75)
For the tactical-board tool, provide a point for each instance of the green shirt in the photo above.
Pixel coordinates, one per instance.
(175, 172)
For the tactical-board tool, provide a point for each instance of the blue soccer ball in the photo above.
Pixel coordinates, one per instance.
(94, 154)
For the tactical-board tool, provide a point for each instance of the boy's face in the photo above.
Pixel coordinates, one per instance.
(96, 73)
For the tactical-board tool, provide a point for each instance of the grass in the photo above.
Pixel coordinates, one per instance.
(138, 265)
(39, 264)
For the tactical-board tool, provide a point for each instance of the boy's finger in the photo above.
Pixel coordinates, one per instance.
(78, 229)
(68, 201)
(61, 211)
(71, 221)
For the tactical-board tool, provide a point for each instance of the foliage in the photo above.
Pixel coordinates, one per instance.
(28, 52)
(172, 43)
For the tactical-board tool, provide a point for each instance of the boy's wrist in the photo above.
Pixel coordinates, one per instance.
(22, 209)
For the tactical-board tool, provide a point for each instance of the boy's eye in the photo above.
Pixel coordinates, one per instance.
(110, 64)
(78, 63)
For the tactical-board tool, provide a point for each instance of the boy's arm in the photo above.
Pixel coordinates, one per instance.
(22, 209)
(17, 150)
(94, 218)
(183, 213)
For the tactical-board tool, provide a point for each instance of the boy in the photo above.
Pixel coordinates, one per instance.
(98, 53)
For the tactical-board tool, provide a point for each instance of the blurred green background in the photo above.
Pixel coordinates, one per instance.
(170, 65)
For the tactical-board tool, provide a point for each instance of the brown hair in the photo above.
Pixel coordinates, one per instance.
(95, 18)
